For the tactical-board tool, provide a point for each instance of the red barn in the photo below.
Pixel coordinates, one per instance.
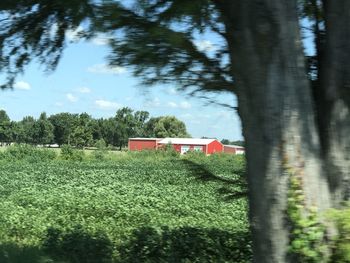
(234, 149)
(138, 144)
(183, 145)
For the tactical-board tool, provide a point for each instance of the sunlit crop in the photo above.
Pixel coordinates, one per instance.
(51, 206)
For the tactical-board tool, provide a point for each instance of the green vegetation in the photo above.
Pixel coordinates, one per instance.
(27, 153)
(134, 207)
(308, 233)
(81, 130)
(310, 241)
(341, 249)
(228, 142)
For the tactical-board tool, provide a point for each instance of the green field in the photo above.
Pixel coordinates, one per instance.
(132, 208)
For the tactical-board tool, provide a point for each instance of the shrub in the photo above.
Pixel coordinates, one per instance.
(99, 155)
(101, 152)
(101, 144)
(170, 151)
(69, 153)
(196, 155)
(152, 154)
(28, 152)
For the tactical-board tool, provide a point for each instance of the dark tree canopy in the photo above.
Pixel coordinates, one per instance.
(36, 30)
(155, 38)
(166, 126)
(5, 127)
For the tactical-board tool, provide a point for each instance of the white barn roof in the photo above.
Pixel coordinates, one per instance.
(145, 139)
(188, 141)
(233, 146)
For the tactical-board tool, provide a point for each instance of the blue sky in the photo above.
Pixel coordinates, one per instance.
(83, 83)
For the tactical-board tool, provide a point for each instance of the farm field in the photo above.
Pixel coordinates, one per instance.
(135, 208)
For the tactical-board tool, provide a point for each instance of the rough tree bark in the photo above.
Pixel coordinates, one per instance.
(334, 85)
(275, 105)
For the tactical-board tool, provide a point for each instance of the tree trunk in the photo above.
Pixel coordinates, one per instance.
(277, 117)
(335, 89)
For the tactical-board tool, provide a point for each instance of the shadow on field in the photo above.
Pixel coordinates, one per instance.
(147, 244)
(186, 244)
(78, 246)
(73, 246)
(12, 253)
(230, 190)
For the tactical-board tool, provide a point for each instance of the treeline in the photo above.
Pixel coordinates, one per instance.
(81, 130)
(228, 142)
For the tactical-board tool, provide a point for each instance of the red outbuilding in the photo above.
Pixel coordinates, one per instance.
(138, 144)
(234, 149)
(183, 145)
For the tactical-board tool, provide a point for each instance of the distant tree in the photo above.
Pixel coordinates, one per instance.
(43, 130)
(170, 126)
(225, 141)
(84, 119)
(63, 124)
(96, 126)
(140, 118)
(109, 131)
(80, 137)
(149, 127)
(165, 126)
(239, 143)
(81, 134)
(28, 130)
(125, 126)
(5, 127)
(3, 116)
(228, 142)
(17, 132)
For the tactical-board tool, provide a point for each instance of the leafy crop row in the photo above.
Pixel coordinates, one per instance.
(151, 208)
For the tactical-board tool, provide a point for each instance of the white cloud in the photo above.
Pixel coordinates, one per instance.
(204, 45)
(155, 102)
(172, 104)
(84, 90)
(105, 69)
(206, 116)
(172, 91)
(58, 104)
(187, 116)
(105, 104)
(185, 105)
(22, 85)
(215, 127)
(195, 122)
(71, 97)
(182, 105)
(225, 115)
